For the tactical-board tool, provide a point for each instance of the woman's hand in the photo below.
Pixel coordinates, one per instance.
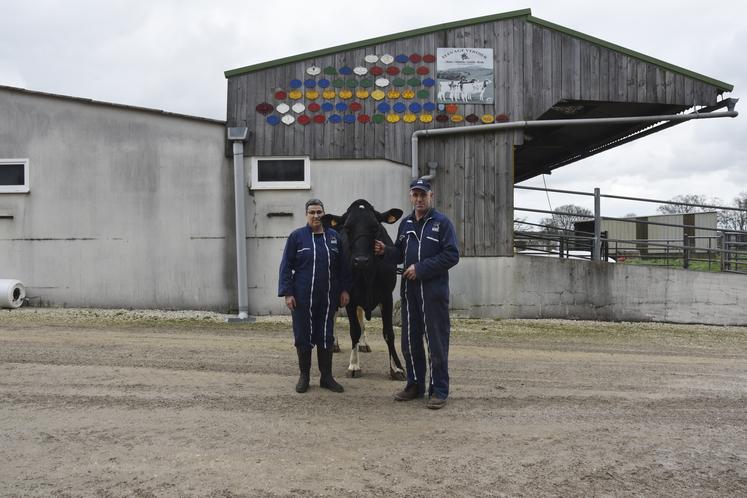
(344, 299)
(290, 302)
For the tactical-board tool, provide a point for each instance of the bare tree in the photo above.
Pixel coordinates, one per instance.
(564, 217)
(735, 220)
(686, 199)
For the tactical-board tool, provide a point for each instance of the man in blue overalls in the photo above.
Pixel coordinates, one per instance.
(427, 244)
(315, 280)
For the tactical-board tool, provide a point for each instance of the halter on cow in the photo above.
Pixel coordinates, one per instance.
(373, 280)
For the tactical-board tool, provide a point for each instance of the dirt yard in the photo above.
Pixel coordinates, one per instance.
(129, 404)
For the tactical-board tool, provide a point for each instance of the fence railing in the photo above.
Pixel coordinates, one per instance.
(700, 247)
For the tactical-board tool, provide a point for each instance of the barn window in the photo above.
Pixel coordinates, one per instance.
(14, 175)
(281, 173)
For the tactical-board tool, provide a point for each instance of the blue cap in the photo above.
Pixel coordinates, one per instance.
(420, 184)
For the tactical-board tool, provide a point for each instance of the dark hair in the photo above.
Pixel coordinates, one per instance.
(314, 202)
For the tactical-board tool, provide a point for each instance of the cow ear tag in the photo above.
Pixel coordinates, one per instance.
(391, 219)
(333, 222)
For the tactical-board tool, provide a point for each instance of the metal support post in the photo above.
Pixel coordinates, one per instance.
(597, 253)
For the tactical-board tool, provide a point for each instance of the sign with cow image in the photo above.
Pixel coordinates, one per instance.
(465, 76)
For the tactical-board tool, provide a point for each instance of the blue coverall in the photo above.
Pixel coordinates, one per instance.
(314, 271)
(431, 245)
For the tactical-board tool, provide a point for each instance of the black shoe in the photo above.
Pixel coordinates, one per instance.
(410, 392)
(304, 366)
(435, 403)
(324, 356)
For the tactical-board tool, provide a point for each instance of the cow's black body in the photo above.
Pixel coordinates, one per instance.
(373, 280)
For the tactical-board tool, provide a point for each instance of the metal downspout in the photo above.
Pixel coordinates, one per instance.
(731, 113)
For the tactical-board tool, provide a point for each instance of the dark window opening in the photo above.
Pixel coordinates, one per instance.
(12, 174)
(280, 170)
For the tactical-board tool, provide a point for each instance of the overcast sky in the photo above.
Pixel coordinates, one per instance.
(171, 55)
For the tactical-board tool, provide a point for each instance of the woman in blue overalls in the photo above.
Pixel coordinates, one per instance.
(315, 280)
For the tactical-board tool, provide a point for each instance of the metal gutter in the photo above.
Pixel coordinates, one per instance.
(515, 125)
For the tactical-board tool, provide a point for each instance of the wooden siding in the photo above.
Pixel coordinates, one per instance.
(534, 68)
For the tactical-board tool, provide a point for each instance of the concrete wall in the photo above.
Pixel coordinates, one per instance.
(337, 183)
(538, 287)
(128, 207)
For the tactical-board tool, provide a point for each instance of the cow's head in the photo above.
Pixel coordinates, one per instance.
(359, 226)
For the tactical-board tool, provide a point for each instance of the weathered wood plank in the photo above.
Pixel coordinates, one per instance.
(641, 81)
(594, 72)
(584, 72)
(604, 74)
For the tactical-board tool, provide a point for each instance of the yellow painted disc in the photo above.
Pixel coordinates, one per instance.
(329, 94)
(457, 118)
(409, 117)
(393, 94)
(426, 118)
(345, 94)
(295, 94)
(392, 118)
(312, 94)
(408, 94)
(378, 94)
(361, 94)
(487, 118)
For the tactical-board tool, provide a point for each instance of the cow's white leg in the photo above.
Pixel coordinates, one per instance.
(354, 369)
(363, 346)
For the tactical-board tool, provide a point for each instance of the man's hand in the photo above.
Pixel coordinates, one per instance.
(409, 273)
(378, 247)
(344, 299)
(290, 302)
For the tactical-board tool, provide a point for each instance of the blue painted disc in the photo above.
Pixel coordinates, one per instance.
(402, 58)
(327, 107)
(415, 107)
(429, 82)
(341, 107)
(323, 83)
(309, 83)
(399, 107)
(345, 70)
(383, 107)
(273, 120)
(349, 118)
(429, 107)
(295, 83)
(334, 118)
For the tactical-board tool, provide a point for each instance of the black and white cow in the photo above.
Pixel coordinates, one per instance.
(373, 280)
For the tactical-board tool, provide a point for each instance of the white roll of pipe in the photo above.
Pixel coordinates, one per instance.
(12, 293)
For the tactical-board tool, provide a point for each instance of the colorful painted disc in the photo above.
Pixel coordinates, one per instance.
(376, 71)
(386, 59)
(288, 119)
(309, 83)
(383, 107)
(426, 118)
(264, 108)
(377, 94)
(401, 58)
(273, 120)
(382, 82)
(399, 107)
(429, 82)
(472, 118)
(329, 94)
(409, 118)
(327, 107)
(345, 94)
(334, 118)
(282, 108)
(349, 118)
(366, 83)
(392, 118)
(429, 58)
(414, 82)
(355, 106)
(295, 94)
(415, 58)
(341, 107)
(501, 118)
(415, 107)
(364, 118)
(323, 83)
(393, 93)
(361, 94)
(338, 83)
(487, 118)
(313, 70)
(392, 70)
(408, 94)
(408, 70)
(280, 95)
(442, 118)
(351, 83)
(398, 82)
(295, 84)
(423, 94)
(457, 118)
(314, 107)
(304, 119)
(429, 107)
(371, 58)
(378, 118)
(345, 70)
(312, 94)
(451, 108)
(422, 70)
(320, 118)
(330, 70)
(298, 107)
(360, 70)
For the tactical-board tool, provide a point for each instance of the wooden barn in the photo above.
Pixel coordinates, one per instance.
(363, 102)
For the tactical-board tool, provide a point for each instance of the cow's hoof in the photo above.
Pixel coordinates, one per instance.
(354, 373)
(364, 348)
(397, 375)
(336, 349)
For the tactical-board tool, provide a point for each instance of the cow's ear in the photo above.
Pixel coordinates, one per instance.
(390, 216)
(331, 220)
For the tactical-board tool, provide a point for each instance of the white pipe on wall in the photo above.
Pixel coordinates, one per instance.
(12, 293)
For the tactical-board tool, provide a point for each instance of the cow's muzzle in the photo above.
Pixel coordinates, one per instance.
(361, 262)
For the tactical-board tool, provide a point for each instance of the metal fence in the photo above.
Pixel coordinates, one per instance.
(688, 245)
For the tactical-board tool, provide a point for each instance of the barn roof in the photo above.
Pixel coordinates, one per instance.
(524, 13)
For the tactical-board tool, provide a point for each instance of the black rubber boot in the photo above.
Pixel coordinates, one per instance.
(324, 356)
(304, 366)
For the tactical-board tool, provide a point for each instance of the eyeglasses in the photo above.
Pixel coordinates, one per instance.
(315, 213)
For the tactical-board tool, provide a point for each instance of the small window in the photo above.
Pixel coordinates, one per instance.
(14, 175)
(281, 173)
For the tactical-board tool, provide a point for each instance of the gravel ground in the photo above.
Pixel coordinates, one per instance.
(171, 403)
